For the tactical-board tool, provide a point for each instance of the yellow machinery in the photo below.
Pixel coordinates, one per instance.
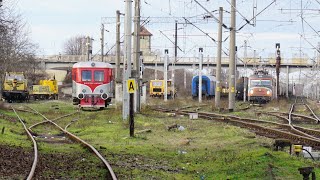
(157, 88)
(47, 89)
(15, 87)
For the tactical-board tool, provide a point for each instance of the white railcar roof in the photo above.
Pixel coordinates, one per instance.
(91, 64)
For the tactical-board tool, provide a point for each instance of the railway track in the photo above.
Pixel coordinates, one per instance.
(295, 134)
(110, 175)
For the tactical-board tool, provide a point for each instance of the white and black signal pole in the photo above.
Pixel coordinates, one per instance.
(200, 73)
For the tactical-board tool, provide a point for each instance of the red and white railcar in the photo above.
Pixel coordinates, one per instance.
(92, 84)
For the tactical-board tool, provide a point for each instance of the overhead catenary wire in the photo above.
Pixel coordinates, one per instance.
(216, 19)
(170, 40)
(257, 14)
(244, 18)
(207, 34)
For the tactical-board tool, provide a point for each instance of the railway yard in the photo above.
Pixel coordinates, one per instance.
(167, 143)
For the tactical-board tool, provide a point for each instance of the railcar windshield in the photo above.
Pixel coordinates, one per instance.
(17, 77)
(260, 82)
(86, 75)
(157, 83)
(98, 76)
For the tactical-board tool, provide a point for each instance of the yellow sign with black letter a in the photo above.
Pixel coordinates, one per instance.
(131, 85)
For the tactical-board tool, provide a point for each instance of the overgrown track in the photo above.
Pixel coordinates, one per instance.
(295, 134)
(111, 174)
(35, 147)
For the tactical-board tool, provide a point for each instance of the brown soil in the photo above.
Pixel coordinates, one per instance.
(15, 163)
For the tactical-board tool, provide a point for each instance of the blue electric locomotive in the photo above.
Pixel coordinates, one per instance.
(208, 86)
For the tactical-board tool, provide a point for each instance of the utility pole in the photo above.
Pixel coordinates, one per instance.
(278, 62)
(245, 82)
(102, 41)
(175, 58)
(136, 47)
(287, 88)
(127, 68)
(118, 47)
(200, 74)
(165, 75)
(218, 70)
(119, 84)
(232, 57)
(89, 48)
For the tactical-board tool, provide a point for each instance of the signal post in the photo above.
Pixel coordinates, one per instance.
(131, 85)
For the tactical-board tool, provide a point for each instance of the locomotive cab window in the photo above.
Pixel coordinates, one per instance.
(86, 75)
(260, 83)
(99, 76)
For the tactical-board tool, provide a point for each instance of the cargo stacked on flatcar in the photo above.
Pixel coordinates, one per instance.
(157, 89)
(92, 84)
(261, 86)
(208, 86)
(47, 89)
(15, 87)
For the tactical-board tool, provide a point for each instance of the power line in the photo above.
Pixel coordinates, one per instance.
(170, 40)
(257, 14)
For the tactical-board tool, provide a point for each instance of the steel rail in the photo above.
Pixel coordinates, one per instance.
(293, 114)
(42, 122)
(77, 139)
(313, 114)
(300, 137)
(35, 147)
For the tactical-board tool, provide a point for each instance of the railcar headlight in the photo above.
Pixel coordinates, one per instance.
(251, 91)
(104, 96)
(80, 96)
(268, 92)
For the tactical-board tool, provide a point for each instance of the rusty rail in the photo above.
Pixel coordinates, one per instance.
(77, 139)
(35, 147)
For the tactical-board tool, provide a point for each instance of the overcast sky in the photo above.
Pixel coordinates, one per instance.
(52, 22)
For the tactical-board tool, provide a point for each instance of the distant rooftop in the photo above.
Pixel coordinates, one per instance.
(144, 32)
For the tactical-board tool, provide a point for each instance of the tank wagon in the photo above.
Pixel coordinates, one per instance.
(92, 84)
(208, 86)
(15, 87)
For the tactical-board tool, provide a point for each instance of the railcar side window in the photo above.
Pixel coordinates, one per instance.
(98, 76)
(86, 75)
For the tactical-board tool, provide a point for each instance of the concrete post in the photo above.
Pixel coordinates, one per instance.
(117, 75)
(232, 57)
(127, 69)
(287, 87)
(185, 78)
(102, 41)
(136, 62)
(218, 68)
(165, 75)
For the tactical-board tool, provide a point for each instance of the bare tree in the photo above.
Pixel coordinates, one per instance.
(75, 45)
(17, 52)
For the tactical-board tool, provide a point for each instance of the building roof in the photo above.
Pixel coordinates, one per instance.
(144, 32)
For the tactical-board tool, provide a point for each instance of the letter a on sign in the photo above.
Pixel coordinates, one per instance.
(131, 85)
